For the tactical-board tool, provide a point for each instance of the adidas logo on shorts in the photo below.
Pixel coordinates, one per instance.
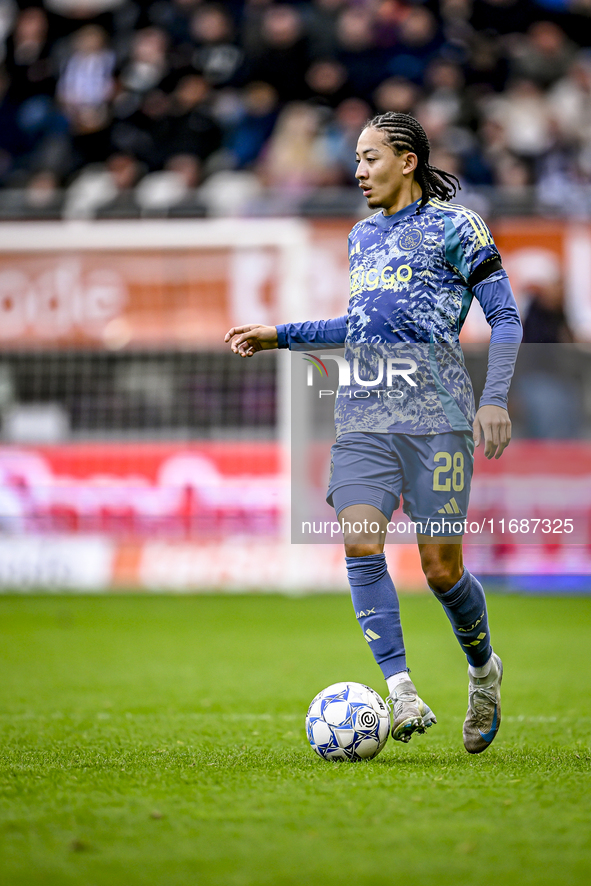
(450, 508)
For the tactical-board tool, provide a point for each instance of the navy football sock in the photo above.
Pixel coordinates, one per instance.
(377, 609)
(465, 606)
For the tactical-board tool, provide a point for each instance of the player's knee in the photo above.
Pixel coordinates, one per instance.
(441, 574)
(360, 549)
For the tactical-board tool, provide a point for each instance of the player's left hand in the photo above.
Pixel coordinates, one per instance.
(494, 425)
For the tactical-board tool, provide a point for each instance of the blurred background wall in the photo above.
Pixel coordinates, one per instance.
(169, 169)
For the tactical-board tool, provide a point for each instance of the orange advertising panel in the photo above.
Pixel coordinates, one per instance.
(115, 299)
(129, 294)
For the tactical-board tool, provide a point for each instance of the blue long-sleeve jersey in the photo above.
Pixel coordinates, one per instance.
(413, 277)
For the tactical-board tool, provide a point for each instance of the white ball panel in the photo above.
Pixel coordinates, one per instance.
(335, 689)
(365, 695)
(345, 737)
(336, 712)
(321, 732)
(337, 754)
(315, 708)
(367, 748)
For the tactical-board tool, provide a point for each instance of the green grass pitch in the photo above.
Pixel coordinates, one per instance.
(159, 741)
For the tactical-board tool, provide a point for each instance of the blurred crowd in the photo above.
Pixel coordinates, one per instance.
(119, 108)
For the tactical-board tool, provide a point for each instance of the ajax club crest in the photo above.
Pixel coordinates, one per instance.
(410, 239)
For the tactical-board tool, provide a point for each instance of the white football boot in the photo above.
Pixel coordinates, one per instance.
(409, 713)
(484, 708)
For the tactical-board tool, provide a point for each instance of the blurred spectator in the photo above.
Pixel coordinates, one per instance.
(124, 171)
(164, 125)
(328, 82)
(570, 101)
(513, 178)
(252, 25)
(90, 189)
(543, 56)
(256, 123)
(342, 134)
(12, 140)
(217, 57)
(455, 23)
(281, 58)
(487, 67)
(174, 18)
(389, 15)
(191, 128)
(419, 42)
(90, 135)
(142, 131)
(158, 193)
(188, 169)
(446, 96)
(356, 50)
(545, 320)
(8, 12)
(81, 8)
(560, 181)
(47, 134)
(504, 16)
(525, 116)
(28, 58)
(86, 81)
(234, 193)
(548, 385)
(42, 195)
(502, 86)
(296, 158)
(322, 26)
(147, 64)
(396, 94)
(40, 198)
(104, 189)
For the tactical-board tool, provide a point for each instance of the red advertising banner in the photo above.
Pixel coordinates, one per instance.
(210, 516)
(201, 491)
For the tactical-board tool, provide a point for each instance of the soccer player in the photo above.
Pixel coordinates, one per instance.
(415, 266)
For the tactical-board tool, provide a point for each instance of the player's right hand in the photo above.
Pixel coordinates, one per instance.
(247, 340)
(493, 425)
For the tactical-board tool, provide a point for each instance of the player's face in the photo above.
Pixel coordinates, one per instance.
(382, 174)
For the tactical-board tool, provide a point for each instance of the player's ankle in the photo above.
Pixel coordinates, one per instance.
(481, 671)
(396, 679)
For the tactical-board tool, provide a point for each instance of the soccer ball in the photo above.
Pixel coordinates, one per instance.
(347, 721)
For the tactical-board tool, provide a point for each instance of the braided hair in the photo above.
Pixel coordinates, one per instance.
(404, 133)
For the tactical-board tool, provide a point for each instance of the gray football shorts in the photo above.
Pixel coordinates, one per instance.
(432, 474)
